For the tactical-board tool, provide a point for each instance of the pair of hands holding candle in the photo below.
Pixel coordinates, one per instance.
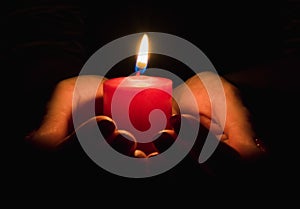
(238, 130)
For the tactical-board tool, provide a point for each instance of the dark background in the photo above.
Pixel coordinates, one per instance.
(254, 44)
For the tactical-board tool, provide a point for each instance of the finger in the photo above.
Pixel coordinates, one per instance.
(87, 98)
(57, 124)
(232, 123)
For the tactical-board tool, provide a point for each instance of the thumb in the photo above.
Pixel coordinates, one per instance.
(56, 122)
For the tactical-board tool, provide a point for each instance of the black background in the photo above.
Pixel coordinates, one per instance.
(254, 44)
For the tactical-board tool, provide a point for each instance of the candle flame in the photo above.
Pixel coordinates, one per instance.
(142, 58)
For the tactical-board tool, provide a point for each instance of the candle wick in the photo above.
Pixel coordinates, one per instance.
(139, 70)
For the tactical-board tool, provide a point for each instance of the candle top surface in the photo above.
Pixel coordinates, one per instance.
(139, 81)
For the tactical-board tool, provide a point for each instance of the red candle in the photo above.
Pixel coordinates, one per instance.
(132, 102)
(137, 96)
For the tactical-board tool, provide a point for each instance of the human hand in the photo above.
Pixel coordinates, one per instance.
(231, 125)
(57, 123)
(238, 131)
(73, 96)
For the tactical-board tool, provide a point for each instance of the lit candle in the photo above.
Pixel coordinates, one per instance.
(131, 101)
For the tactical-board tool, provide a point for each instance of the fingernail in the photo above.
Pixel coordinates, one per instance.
(139, 154)
(152, 154)
(123, 142)
(106, 125)
(165, 139)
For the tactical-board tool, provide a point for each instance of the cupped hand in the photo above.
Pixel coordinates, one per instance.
(231, 121)
(57, 123)
(235, 128)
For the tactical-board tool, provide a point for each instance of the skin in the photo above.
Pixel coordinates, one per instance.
(238, 131)
(57, 125)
